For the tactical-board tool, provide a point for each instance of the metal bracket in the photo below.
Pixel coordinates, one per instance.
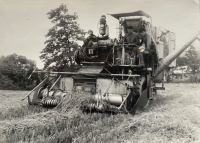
(55, 83)
(124, 100)
(29, 100)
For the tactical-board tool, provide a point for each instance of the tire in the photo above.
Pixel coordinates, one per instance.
(134, 95)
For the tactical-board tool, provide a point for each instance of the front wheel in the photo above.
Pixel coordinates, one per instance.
(135, 94)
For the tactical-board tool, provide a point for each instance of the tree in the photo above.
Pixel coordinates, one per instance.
(14, 72)
(192, 58)
(61, 40)
(181, 61)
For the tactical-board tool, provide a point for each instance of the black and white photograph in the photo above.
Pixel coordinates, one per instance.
(100, 71)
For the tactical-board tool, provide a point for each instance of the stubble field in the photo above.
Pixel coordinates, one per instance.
(174, 116)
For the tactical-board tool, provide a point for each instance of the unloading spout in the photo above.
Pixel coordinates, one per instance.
(164, 63)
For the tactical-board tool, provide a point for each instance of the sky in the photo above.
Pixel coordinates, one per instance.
(24, 23)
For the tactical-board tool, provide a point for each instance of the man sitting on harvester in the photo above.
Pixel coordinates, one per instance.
(131, 38)
(103, 31)
(91, 38)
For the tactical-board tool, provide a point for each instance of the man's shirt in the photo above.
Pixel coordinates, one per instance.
(132, 38)
(149, 42)
(92, 38)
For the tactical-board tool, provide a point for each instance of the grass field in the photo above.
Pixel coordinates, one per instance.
(174, 116)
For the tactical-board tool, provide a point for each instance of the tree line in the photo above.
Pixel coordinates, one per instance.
(57, 54)
(14, 73)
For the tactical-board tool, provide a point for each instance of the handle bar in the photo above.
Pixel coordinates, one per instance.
(128, 44)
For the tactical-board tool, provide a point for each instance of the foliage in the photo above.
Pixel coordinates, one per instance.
(195, 78)
(61, 40)
(181, 61)
(14, 72)
(190, 59)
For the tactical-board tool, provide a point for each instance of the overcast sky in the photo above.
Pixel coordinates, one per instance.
(24, 23)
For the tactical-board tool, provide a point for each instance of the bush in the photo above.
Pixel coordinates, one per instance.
(195, 78)
(6, 83)
(14, 73)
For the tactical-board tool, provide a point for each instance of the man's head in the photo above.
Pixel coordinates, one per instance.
(90, 32)
(103, 20)
(142, 31)
(103, 16)
(129, 29)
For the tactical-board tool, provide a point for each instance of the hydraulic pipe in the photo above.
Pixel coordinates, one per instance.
(164, 63)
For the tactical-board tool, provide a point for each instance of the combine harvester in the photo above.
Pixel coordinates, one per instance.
(112, 79)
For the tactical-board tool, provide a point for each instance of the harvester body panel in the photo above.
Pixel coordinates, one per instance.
(112, 86)
(67, 84)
